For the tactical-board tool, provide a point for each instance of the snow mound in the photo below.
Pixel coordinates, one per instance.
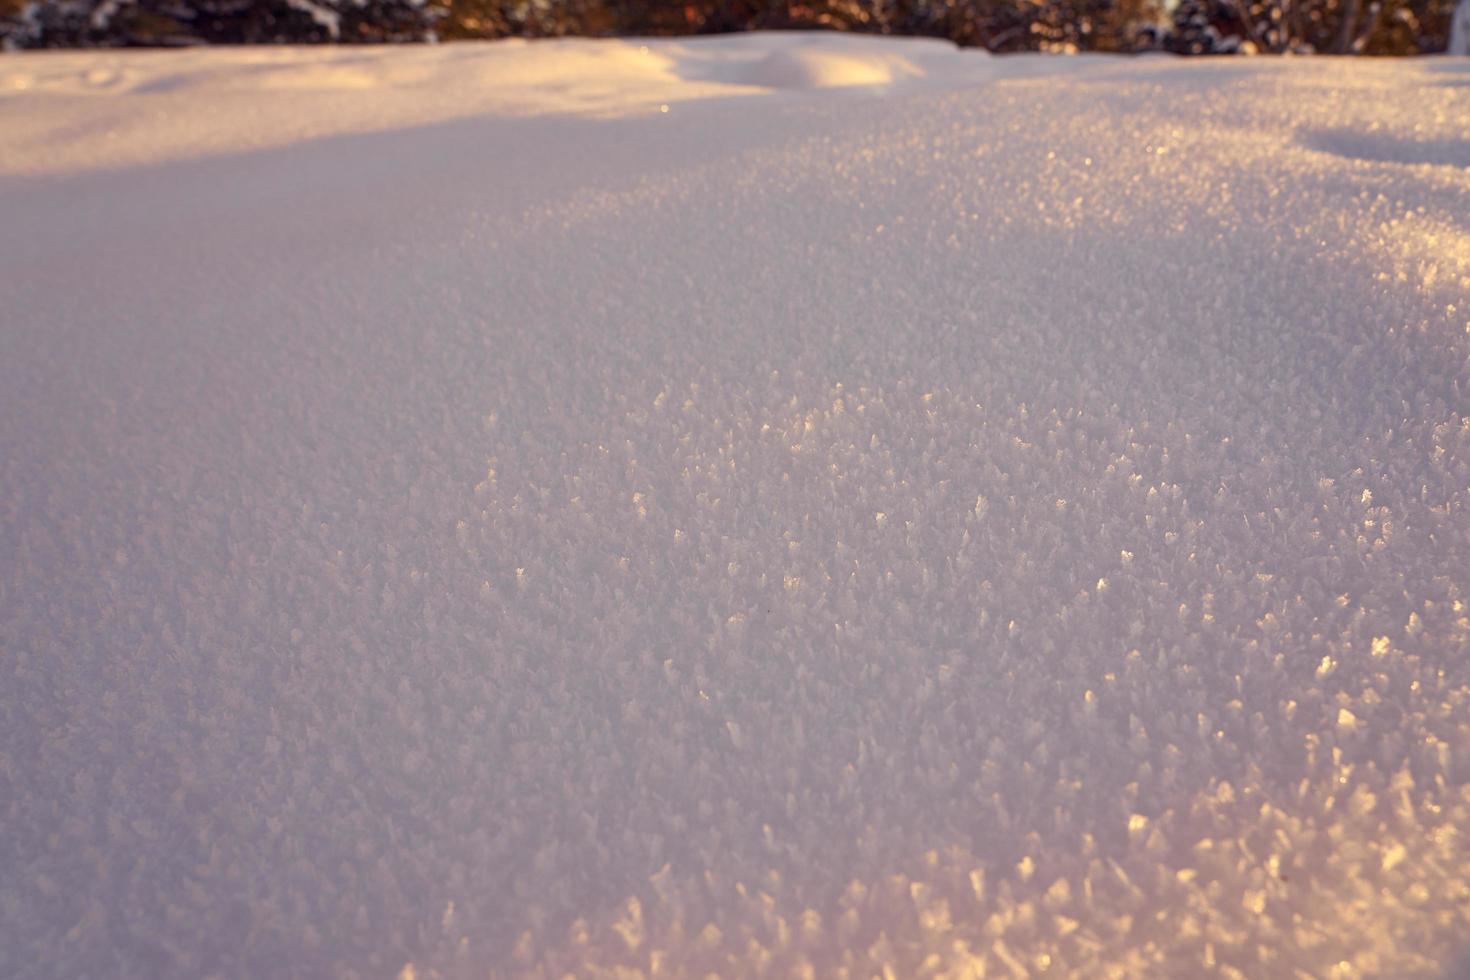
(817, 68)
(783, 61)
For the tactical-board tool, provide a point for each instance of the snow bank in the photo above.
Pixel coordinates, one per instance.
(987, 517)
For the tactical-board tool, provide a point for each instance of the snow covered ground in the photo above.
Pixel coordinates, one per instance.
(768, 505)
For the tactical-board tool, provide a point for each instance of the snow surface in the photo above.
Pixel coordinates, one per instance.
(770, 506)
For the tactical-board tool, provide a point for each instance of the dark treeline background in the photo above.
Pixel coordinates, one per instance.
(1372, 27)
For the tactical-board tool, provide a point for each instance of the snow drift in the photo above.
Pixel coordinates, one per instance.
(757, 506)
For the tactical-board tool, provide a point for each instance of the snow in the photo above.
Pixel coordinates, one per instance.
(220, 101)
(894, 510)
(323, 16)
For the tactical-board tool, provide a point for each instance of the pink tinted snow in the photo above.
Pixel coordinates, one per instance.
(993, 517)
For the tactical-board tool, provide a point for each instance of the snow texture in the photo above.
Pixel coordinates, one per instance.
(762, 506)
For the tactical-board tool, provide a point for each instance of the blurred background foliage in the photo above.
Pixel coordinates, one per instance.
(1371, 27)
